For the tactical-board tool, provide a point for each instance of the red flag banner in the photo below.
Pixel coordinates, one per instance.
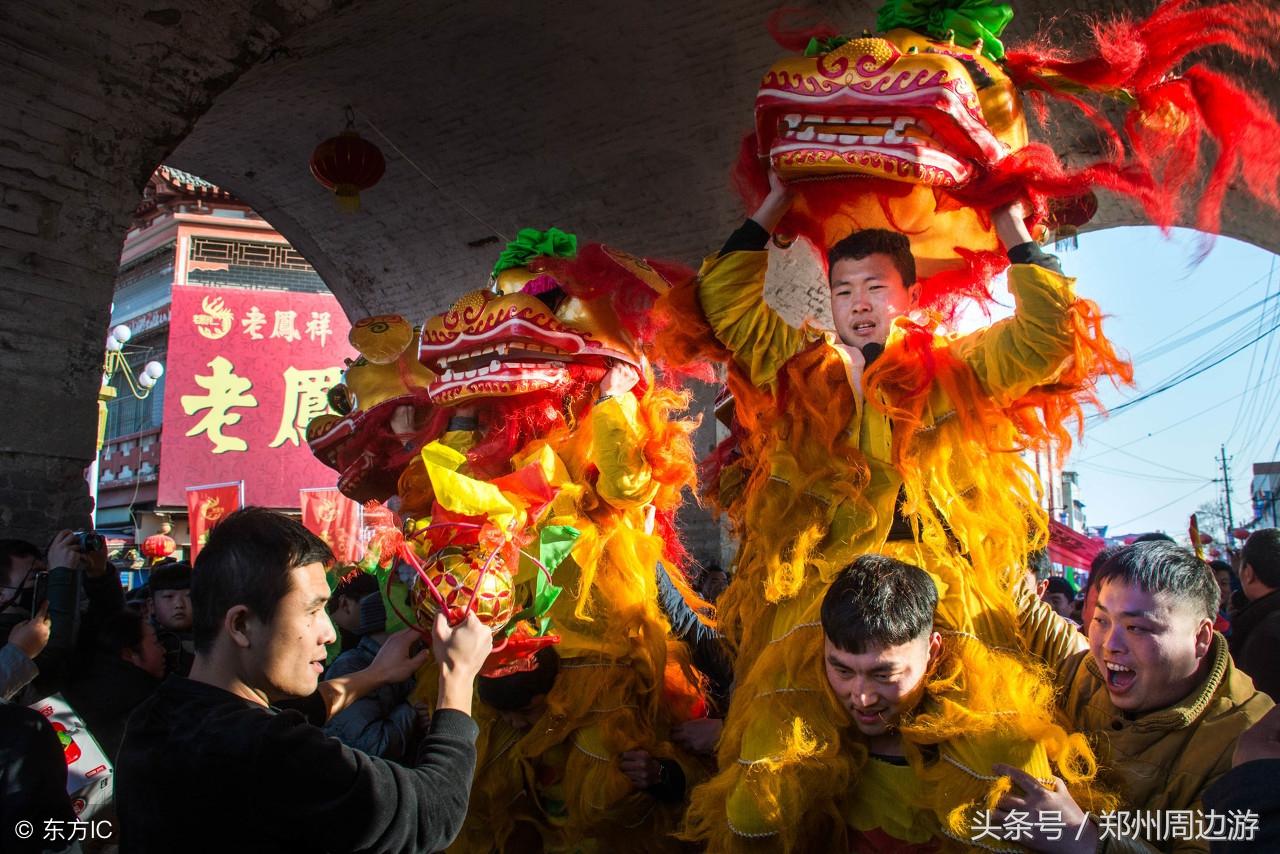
(334, 518)
(207, 506)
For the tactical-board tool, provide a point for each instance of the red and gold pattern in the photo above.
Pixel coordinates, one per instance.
(457, 575)
(510, 344)
(384, 415)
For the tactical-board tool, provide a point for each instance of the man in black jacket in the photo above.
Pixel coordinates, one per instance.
(211, 763)
(1255, 630)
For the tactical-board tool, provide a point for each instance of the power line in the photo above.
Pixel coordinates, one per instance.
(1167, 427)
(1162, 506)
(1180, 380)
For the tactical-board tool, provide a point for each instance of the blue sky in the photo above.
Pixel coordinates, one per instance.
(1149, 466)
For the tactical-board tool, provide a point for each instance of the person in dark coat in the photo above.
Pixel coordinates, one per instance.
(214, 762)
(122, 666)
(1255, 629)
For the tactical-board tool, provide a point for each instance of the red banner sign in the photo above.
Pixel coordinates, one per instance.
(245, 372)
(334, 518)
(209, 505)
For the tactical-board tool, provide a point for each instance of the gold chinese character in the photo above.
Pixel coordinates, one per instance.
(226, 392)
(318, 327)
(253, 322)
(306, 395)
(286, 327)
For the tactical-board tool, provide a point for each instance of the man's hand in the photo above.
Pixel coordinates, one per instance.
(698, 736)
(30, 636)
(1011, 226)
(1078, 832)
(95, 562)
(640, 768)
(775, 205)
(64, 551)
(396, 661)
(1260, 741)
(461, 651)
(619, 380)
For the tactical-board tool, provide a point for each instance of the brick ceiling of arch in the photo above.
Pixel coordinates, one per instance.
(614, 120)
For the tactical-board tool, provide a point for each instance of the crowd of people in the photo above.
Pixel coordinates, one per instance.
(231, 725)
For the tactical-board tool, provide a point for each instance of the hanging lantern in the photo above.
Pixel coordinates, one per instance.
(157, 546)
(347, 164)
(1240, 533)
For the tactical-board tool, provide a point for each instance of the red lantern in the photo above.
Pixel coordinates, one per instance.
(347, 164)
(157, 546)
(1240, 533)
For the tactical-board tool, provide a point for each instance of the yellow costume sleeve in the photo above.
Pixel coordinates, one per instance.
(626, 480)
(731, 290)
(1047, 635)
(1031, 348)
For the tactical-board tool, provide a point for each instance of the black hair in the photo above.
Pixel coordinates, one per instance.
(1156, 566)
(123, 630)
(11, 548)
(1099, 561)
(517, 691)
(1154, 537)
(170, 576)
(247, 561)
(878, 602)
(876, 241)
(1262, 552)
(355, 585)
(1058, 584)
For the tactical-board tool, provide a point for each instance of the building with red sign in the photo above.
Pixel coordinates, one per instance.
(251, 341)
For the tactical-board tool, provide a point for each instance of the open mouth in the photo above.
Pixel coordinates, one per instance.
(507, 368)
(1120, 678)
(864, 327)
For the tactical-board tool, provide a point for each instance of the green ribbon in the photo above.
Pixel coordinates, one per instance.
(530, 243)
(555, 542)
(969, 20)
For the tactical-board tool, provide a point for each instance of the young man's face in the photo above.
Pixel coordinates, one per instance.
(289, 652)
(878, 686)
(149, 655)
(1060, 603)
(346, 614)
(1224, 588)
(1148, 646)
(172, 609)
(866, 295)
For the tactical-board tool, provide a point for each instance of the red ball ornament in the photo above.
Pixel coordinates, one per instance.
(157, 546)
(346, 164)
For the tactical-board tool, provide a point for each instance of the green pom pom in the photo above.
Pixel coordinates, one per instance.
(531, 243)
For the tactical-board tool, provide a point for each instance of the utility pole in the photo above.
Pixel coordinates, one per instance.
(1226, 484)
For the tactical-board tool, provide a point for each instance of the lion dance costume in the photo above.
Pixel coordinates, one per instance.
(919, 129)
(545, 508)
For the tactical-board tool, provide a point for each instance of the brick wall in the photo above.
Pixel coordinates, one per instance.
(94, 95)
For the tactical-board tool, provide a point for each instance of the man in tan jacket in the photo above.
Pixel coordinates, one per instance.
(1155, 690)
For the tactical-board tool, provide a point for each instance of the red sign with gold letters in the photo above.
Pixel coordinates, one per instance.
(245, 371)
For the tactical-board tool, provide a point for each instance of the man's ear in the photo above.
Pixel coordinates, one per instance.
(935, 648)
(1204, 638)
(913, 295)
(236, 623)
(1247, 575)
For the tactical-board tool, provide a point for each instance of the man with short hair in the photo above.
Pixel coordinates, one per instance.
(1059, 594)
(170, 586)
(210, 763)
(932, 725)
(120, 667)
(1255, 629)
(1156, 688)
(882, 434)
